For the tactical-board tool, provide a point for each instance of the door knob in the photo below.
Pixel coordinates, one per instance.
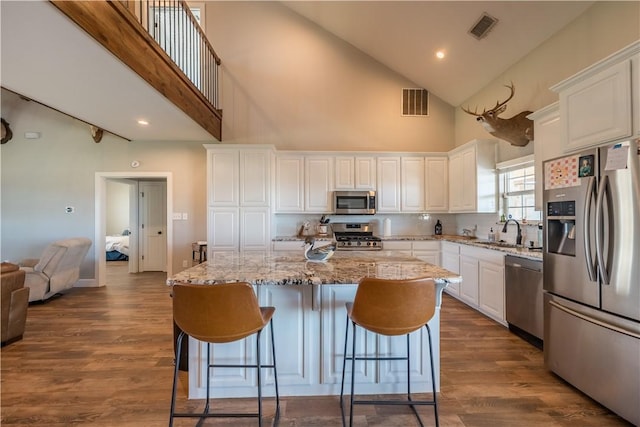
(159, 232)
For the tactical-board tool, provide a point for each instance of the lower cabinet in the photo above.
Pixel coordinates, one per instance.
(450, 255)
(392, 373)
(482, 286)
(309, 326)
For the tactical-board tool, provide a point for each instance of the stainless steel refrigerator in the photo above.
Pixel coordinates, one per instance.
(592, 274)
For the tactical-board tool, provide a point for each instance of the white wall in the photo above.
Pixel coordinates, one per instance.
(603, 29)
(40, 177)
(117, 208)
(289, 83)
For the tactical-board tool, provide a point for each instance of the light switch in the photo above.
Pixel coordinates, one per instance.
(177, 215)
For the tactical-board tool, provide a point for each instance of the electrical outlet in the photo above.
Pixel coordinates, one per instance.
(185, 215)
(185, 263)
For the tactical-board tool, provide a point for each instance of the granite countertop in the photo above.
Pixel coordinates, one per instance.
(291, 268)
(522, 252)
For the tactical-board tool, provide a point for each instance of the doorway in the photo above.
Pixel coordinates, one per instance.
(151, 232)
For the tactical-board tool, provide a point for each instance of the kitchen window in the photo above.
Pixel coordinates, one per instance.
(517, 187)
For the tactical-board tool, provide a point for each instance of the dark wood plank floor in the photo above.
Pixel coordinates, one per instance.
(103, 357)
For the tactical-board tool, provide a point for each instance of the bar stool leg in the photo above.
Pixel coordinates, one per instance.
(175, 376)
(259, 367)
(344, 361)
(353, 373)
(433, 376)
(276, 417)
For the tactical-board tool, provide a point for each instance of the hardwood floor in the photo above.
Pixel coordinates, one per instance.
(103, 357)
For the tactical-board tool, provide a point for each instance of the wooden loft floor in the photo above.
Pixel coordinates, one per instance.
(104, 357)
(113, 26)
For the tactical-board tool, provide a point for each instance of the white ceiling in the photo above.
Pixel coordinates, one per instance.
(49, 59)
(404, 35)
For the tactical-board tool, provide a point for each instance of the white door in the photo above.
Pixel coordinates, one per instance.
(153, 226)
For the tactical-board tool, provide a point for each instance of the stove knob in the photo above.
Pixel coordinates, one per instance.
(359, 243)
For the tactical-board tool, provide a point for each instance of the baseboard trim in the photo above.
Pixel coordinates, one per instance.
(86, 283)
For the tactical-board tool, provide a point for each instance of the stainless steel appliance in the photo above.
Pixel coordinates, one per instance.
(523, 298)
(354, 202)
(355, 237)
(592, 274)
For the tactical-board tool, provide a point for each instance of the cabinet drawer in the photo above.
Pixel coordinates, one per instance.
(429, 245)
(395, 245)
(453, 248)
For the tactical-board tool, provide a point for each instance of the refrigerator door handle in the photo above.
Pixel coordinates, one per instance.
(586, 233)
(594, 321)
(602, 265)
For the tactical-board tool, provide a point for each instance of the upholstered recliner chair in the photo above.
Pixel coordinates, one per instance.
(58, 268)
(14, 300)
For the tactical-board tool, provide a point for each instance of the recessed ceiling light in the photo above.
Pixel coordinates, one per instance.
(142, 122)
(440, 54)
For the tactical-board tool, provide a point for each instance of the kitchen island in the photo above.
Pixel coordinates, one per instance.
(309, 322)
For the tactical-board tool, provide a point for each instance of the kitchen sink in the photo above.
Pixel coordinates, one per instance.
(496, 244)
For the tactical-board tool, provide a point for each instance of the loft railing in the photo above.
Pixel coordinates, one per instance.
(176, 29)
(160, 41)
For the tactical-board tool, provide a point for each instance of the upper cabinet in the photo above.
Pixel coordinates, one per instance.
(318, 184)
(412, 184)
(436, 175)
(388, 197)
(355, 173)
(303, 183)
(597, 104)
(289, 186)
(238, 176)
(472, 177)
(547, 144)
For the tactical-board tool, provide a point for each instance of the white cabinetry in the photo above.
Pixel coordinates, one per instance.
(303, 183)
(450, 254)
(482, 286)
(547, 144)
(334, 322)
(596, 103)
(388, 196)
(355, 173)
(238, 197)
(469, 272)
(295, 334)
(427, 251)
(436, 175)
(412, 184)
(472, 177)
(289, 183)
(318, 184)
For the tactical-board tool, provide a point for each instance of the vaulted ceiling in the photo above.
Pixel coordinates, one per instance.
(44, 54)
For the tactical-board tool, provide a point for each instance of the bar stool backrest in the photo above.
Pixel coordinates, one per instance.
(217, 313)
(394, 307)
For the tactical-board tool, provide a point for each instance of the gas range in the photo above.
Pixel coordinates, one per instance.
(355, 237)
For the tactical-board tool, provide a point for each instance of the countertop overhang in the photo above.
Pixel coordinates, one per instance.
(291, 268)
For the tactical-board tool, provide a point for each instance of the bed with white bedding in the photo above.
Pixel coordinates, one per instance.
(117, 248)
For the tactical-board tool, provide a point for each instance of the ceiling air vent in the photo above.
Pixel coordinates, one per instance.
(415, 102)
(482, 27)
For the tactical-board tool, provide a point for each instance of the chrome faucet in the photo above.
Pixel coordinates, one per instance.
(518, 235)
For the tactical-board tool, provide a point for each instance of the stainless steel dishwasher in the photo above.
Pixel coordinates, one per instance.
(523, 295)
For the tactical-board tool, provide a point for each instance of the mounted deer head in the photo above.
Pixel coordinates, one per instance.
(6, 132)
(518, 130)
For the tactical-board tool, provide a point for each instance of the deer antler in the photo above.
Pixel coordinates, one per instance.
(500, 104)
(475, 112)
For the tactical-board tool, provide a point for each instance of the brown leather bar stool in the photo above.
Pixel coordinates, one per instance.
(216, 314)
(390, 307)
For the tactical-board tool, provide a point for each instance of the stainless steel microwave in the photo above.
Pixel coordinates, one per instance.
(354, 202)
